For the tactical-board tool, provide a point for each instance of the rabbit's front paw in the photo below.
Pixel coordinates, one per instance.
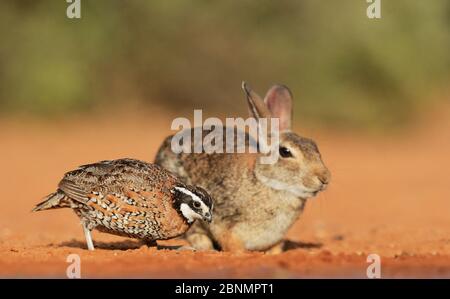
(200, 241)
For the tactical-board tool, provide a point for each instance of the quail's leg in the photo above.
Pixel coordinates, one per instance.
(87, 235)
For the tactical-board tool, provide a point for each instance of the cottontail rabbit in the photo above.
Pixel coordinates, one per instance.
(255, 203)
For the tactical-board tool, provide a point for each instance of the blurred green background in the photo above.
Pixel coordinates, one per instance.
(343, 68)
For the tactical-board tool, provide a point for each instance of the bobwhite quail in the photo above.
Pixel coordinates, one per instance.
(130, 198)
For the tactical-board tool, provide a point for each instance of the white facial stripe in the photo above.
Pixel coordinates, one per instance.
(188, 213)
(187, 192)
(194, 197)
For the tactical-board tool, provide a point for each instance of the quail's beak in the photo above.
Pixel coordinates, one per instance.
(207, 217)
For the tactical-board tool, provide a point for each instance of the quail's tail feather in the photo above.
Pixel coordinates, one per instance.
(51, 201)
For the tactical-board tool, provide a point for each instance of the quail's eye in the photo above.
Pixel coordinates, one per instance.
(197, 205)
(285, 152)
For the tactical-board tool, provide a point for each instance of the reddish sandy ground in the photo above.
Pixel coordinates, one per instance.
(389, 196)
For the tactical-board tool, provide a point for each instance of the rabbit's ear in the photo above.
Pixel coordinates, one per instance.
(256, 105)
(279, 102)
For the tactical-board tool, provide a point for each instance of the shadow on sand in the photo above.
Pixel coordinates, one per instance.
(136, 244)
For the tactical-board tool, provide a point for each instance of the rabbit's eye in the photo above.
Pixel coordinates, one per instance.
(285, 152)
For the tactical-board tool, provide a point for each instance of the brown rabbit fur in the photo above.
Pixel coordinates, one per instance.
(255, 203)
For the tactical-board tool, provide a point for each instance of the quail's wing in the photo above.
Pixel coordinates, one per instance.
(121, 180)
(79, 183)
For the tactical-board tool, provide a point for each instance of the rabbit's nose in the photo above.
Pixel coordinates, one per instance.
(324, 177)
(323, 180)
